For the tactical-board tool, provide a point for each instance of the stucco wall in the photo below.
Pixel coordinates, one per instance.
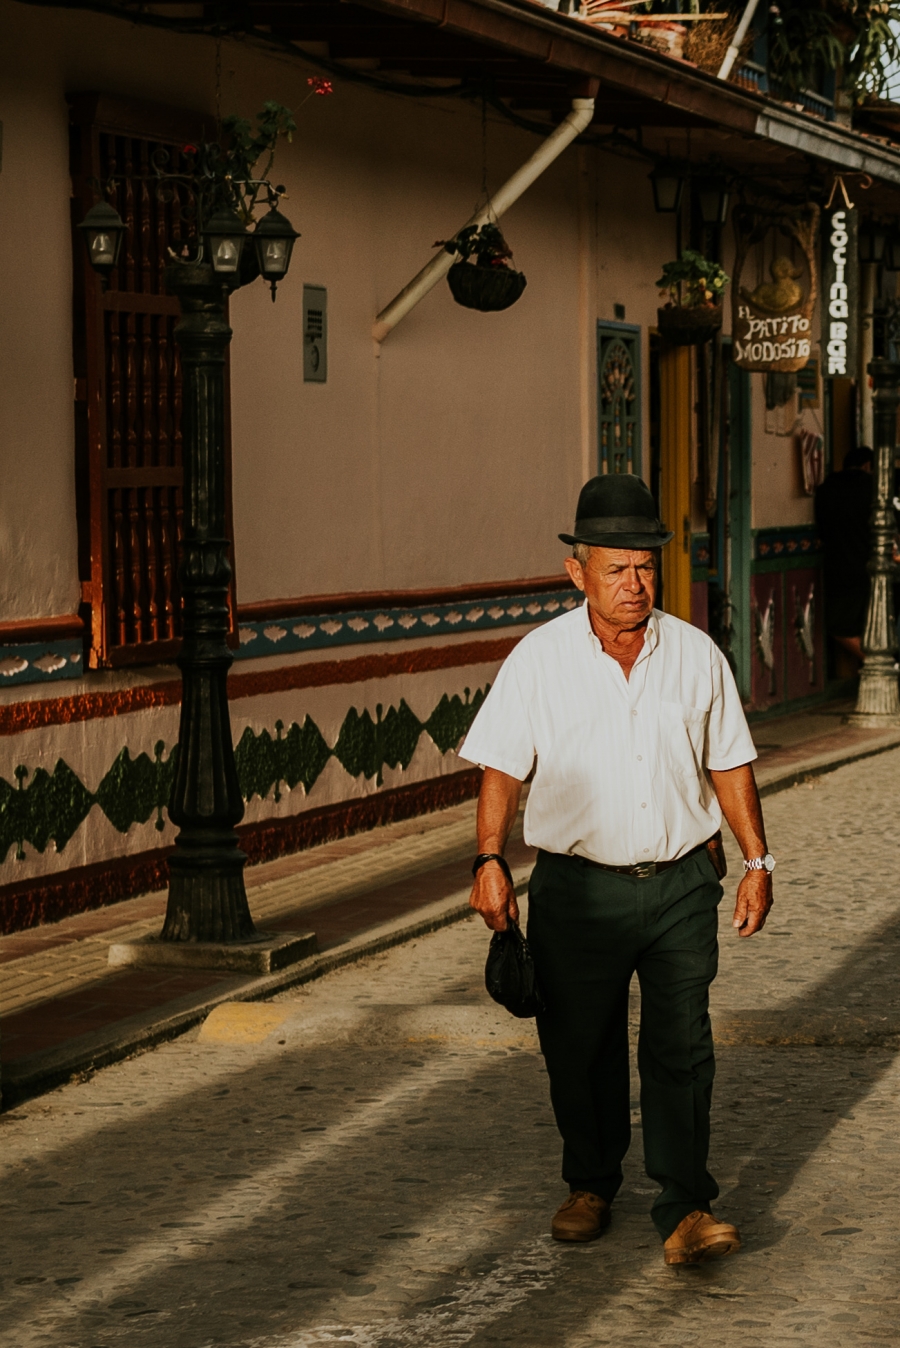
(451, 454)
(38, 571)
(778, 496)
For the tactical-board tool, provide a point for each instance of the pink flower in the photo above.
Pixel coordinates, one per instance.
(320, 85)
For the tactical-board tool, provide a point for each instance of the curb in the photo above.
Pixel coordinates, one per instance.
(81, 1057)
(822, 763)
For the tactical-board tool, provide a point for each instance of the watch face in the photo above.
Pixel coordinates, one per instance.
(769, 862)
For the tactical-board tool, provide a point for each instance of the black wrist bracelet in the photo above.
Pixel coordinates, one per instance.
(484, 857)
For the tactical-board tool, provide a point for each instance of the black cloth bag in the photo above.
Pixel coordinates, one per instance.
(509, 974)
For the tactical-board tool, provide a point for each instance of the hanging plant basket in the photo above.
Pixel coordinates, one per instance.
(689, 327)
(485, 288)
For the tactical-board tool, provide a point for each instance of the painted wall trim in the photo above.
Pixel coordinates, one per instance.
(361, 626)
(268, 609)
(50, 898)
(40, 629)
(52, 649)
(18, 717)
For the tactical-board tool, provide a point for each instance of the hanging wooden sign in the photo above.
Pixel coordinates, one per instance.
(840, 289)
(774, 288)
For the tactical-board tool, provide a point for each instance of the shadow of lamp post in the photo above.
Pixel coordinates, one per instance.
(878, 703)
(207, 900)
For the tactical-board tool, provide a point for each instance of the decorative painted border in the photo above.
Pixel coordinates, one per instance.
(49, 898)
(41, 661)
(43, 807)
(19, 717)
(356, 627)
(775, 544)
(62, 657)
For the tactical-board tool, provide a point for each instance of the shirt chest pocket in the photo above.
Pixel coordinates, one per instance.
(682, 738)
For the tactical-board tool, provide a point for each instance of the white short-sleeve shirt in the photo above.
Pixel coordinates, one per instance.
(622, 764)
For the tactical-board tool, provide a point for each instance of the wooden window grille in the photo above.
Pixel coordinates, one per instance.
(129, 468)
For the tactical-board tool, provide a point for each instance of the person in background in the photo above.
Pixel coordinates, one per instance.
(843, 508)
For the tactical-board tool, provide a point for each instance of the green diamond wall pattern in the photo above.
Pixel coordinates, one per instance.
(53, 805)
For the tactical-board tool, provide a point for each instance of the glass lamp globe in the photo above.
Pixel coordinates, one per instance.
(274, 241)
(225, 237)
(103, 232)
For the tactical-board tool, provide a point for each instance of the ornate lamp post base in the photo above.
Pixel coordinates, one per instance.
(878, 703)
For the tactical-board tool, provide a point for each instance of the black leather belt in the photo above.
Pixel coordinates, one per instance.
(644, 870)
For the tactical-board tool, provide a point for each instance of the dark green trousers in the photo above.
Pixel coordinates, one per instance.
(590, 931)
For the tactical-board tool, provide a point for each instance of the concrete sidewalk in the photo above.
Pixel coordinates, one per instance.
(64, 1011)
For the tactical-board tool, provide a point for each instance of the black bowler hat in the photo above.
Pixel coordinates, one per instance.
(616, 510)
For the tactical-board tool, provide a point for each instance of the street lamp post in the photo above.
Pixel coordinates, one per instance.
(878, 703)
(207, 901)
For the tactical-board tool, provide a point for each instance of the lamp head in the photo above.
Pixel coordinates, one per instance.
(103, 231)
(225, 236)
(667, 184)
(274, 241)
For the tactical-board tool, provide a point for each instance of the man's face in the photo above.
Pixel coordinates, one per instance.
(620, 584)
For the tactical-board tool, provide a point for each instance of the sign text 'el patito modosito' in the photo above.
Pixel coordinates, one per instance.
(772, 322)
(840, 291)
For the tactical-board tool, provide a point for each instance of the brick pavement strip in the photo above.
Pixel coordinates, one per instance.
(31, 979)
(379, 1169)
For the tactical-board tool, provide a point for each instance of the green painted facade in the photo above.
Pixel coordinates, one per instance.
(42, 807)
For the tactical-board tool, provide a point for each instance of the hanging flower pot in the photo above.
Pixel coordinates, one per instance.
(689, 327)
(483, 279)
(692, 287)
(485, 288)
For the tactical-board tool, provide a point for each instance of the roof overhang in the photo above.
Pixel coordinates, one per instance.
(536, 59)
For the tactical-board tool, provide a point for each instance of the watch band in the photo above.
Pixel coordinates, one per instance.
(484, 857)
(764, 863)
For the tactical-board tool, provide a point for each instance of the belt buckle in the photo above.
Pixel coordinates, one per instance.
(645, 870)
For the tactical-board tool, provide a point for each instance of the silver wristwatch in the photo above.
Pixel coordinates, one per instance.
(766, 863)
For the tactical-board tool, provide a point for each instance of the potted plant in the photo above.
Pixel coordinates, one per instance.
(692, 288)
(483, 278)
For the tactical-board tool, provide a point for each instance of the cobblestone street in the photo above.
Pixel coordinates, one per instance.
(372, 1159)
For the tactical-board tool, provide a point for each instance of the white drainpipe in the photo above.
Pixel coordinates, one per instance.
(734, 50)
(577, 121)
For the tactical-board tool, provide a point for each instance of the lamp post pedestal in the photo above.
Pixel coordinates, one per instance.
(878, 703)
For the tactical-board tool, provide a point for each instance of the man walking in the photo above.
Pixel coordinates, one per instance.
(633, 725)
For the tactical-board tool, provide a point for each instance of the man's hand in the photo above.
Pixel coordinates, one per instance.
(739, 799)
(494, 897)
(754, 900)
(498, 803)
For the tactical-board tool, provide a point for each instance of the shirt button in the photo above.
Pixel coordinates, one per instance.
(646, 849)
(634, 713)
(643, 805)
(640, 760)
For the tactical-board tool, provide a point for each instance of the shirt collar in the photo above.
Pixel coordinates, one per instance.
(651, 637)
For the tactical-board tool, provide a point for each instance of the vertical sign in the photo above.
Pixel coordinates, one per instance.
(840, 291)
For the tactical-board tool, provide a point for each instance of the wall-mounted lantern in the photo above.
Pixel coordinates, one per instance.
(668, 185)
(712, 198)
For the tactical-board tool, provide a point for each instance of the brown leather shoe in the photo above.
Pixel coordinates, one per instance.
(700, 1237)
(583, 1216)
